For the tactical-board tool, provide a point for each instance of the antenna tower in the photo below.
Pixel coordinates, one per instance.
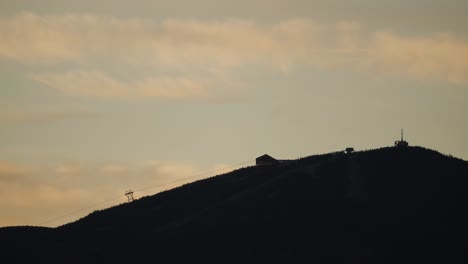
(129, 195)
(401, 142)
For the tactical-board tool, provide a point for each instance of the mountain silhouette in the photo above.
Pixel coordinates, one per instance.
(389, 205)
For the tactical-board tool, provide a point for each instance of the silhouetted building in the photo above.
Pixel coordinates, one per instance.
(266, 160)
(401, 143)
(349, 150)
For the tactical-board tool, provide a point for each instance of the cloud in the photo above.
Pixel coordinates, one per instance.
(197, 46)
(28, 37)
(7, 168)
(25, 201)
(98, 84)
(171, 168)
(10, 171)
(440, 56)
(34, 194)
(31, 38)
(41, 115)
(114, 169)
(68, 169)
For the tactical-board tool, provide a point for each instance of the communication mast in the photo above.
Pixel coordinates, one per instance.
(401, 142)
(129, 195)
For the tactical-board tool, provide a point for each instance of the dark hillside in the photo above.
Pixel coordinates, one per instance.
(381, 206)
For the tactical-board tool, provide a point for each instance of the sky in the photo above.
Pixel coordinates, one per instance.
(98, 97)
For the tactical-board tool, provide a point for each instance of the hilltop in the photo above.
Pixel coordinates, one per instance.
(379, 206)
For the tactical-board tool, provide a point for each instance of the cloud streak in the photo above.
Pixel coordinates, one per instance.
(180, 46)
(99, 84)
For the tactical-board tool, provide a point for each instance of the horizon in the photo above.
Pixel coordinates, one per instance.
(110, 202)
(104, 96)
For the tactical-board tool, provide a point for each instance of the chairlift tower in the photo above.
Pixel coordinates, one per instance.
(129, 195)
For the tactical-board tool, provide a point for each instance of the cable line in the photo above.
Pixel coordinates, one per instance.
(142, 189)
(193, 176)
(80, 210)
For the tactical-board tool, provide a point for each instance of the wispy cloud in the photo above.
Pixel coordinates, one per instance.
(195, 45)
(160, 167)
(98, 84)
(438, 56)
(114, 169)
(68, 169)
(39, 115)
(71, 185)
